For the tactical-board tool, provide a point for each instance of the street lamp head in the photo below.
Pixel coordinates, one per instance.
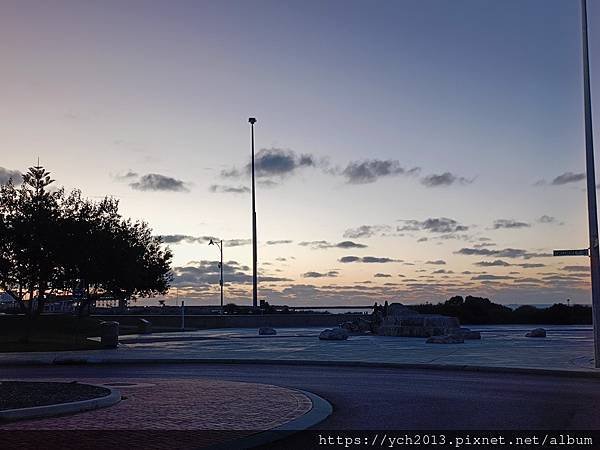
(252, 120)
(211, 242)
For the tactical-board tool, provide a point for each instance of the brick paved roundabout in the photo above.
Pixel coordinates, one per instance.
(173, 413)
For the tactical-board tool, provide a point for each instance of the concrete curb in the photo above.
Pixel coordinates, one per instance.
(321, 410)
(59, 409)
(307, 362)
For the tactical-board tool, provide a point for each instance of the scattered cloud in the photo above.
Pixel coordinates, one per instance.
(531, 265)
(546, 219)
(279, 242)
(382, 275)
(495, 263)
(369, 171)
(224, 189)
(568, 177)
(433, 225)
(509, 223)
(8, 174)
(490, 277)
(367, 259)
(504, 253)
(366, 231)
(325, 244)
(444, 179)
(437, 262)
(126, 176)
(585, 269)
(330, 274)
(157, 182)
(273, 163)
(184, 238)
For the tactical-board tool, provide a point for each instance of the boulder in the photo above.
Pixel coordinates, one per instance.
(267, 331)
(446, 339)
(109, 334)
(466, 333)
(144, 326)
(537, 333)
(335, 334)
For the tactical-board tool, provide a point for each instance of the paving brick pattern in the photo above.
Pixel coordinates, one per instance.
(211, 408)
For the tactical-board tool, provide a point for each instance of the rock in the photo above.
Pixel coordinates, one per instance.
(537, 333)
(335, 334)
(466, 333)
(446, 339)
(144, 326)
(357, 326)
(109, 334)
(267, 331)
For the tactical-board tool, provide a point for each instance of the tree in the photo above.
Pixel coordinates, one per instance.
(54, 244)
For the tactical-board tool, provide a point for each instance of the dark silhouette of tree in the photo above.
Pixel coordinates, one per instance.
(55, 244)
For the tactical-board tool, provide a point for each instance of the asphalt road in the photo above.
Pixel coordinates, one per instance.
(372, 398)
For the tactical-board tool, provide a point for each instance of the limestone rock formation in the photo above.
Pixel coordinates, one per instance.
(537, 333)
(333, 334)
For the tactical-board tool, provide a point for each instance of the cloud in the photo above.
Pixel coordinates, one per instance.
(273, 162)
(281, 241)
(495, 263)
(568, 177)
(437, 262)
(547, 219)
(157, 182)
(585, 269)
(444, 179)
(366, 231)
(369, 171)
(325, 244)
(205, 274)
(509, 223)
(367, 259)
(382, 275)
(530, 265)
(126, 176)
(504, 253)
(330, 274)
(489, 277)
(433, 225)
(8, 174)
(223, 189)
(237, 242)
(179, 238)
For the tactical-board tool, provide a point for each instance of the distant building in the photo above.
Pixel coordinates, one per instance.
(59, 306)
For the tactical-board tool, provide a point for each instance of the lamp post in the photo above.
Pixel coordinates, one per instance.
(220, 245)
(252, 121)
(591, 187)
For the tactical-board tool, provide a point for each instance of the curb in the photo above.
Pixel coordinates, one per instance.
(307, 362)
(59, 409)
(321, 410)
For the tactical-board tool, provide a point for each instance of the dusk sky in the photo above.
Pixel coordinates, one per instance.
(406, 150)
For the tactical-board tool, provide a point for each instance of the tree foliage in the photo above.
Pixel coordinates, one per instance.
(53, 244)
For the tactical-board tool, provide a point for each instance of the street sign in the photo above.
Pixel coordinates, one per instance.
(580, 252)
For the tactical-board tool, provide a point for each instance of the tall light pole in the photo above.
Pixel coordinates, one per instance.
(220, 245)
(252, 121)
(591, 187)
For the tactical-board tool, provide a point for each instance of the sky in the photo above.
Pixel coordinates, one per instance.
(406, 150)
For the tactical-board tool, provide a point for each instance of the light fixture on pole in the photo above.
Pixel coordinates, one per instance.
(252, 121)
(220, 245)
(591, 186)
